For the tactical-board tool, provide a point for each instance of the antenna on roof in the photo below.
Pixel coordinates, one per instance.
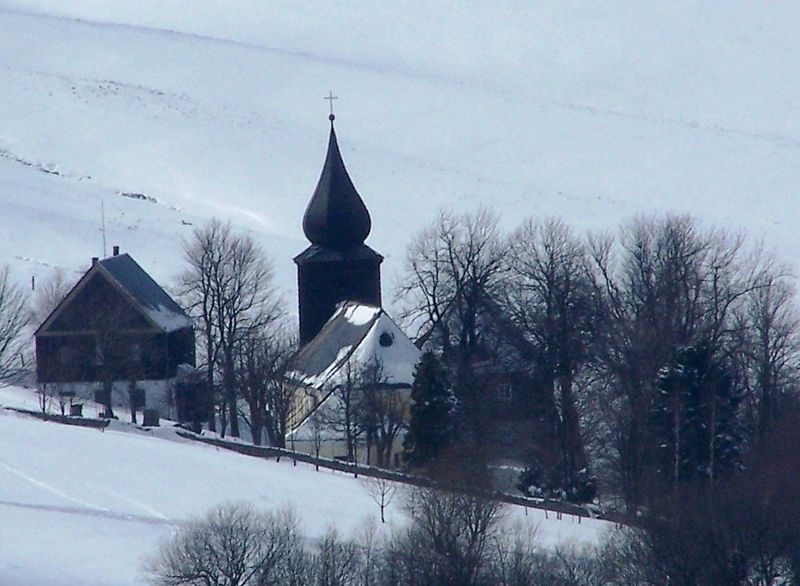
(103, 222)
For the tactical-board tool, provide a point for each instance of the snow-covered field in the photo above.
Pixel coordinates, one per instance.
(81, 506)
(590, 111)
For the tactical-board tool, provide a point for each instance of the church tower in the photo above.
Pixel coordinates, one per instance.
(338, 266)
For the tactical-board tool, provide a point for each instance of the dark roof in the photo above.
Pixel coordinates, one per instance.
(316, 253)
(336, 217)
(333, 345)
(148, 294)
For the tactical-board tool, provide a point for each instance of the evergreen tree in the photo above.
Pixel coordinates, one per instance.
(430, 427)
(696, 421)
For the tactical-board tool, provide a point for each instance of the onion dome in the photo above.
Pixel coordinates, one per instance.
(336, 216)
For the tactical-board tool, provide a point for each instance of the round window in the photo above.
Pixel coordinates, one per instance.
(386, 340)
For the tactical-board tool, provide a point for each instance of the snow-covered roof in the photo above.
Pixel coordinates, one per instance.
(360, 335)
(148, 295)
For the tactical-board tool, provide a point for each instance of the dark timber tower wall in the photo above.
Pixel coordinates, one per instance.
(338, 266)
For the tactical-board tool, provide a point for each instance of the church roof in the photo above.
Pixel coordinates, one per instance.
(360, 335)
(322, 254)
(336, 216)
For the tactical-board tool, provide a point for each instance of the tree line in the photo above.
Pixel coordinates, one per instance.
(640, 362)
(451, 539)
(462, 539)
(626, 364)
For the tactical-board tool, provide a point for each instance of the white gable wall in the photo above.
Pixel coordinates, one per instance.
(397, 361)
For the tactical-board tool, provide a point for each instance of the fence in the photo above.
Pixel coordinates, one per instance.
(558, 507)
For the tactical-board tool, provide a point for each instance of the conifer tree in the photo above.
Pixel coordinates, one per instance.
(430, 427)
(696, 419)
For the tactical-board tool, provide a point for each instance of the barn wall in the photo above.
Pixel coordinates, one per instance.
(74, 358)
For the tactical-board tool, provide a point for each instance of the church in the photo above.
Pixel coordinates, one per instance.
(346, 337)
(118, 327)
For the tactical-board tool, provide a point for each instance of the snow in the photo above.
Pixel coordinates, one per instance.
(593, 112)
(323, 379)
(83, 506)
(397, 361)
(590, 111)
(168, 320)
(360, 315)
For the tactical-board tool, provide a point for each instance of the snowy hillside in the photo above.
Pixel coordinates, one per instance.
(594, 112)
(80, 506)
(169, 113)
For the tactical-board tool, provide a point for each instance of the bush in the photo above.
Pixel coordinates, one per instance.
(233, 546)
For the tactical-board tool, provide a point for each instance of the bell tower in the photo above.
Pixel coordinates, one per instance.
(338, 266)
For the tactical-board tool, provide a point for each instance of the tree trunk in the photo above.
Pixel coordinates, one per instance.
(108, 387)
(572, 442)
(230, 392)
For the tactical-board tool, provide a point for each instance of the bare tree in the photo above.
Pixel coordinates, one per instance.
(46, 394)
(135, 398)
(229, 281)
(457, 529)
(381, 491)
(340, 410)
(770, 344)
(382, 410)
(337, 561)
(233, 546)
(55, 392)
(317, 429)
(513, 558)
(667, 284)
(13, 319)
(271, 399)
(198, 283)
(115, 355)
(650, 304)
(453, 269)
(48, 294)
(372, 569)
(549, 298)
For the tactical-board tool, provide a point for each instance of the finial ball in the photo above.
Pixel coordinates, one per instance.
(331, 117)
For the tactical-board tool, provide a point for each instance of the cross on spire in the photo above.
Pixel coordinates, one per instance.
(330, 97)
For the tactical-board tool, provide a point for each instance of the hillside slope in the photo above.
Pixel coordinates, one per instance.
(80, 506)
(591, 112)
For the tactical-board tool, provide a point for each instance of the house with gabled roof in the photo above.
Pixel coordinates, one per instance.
(116, 322)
